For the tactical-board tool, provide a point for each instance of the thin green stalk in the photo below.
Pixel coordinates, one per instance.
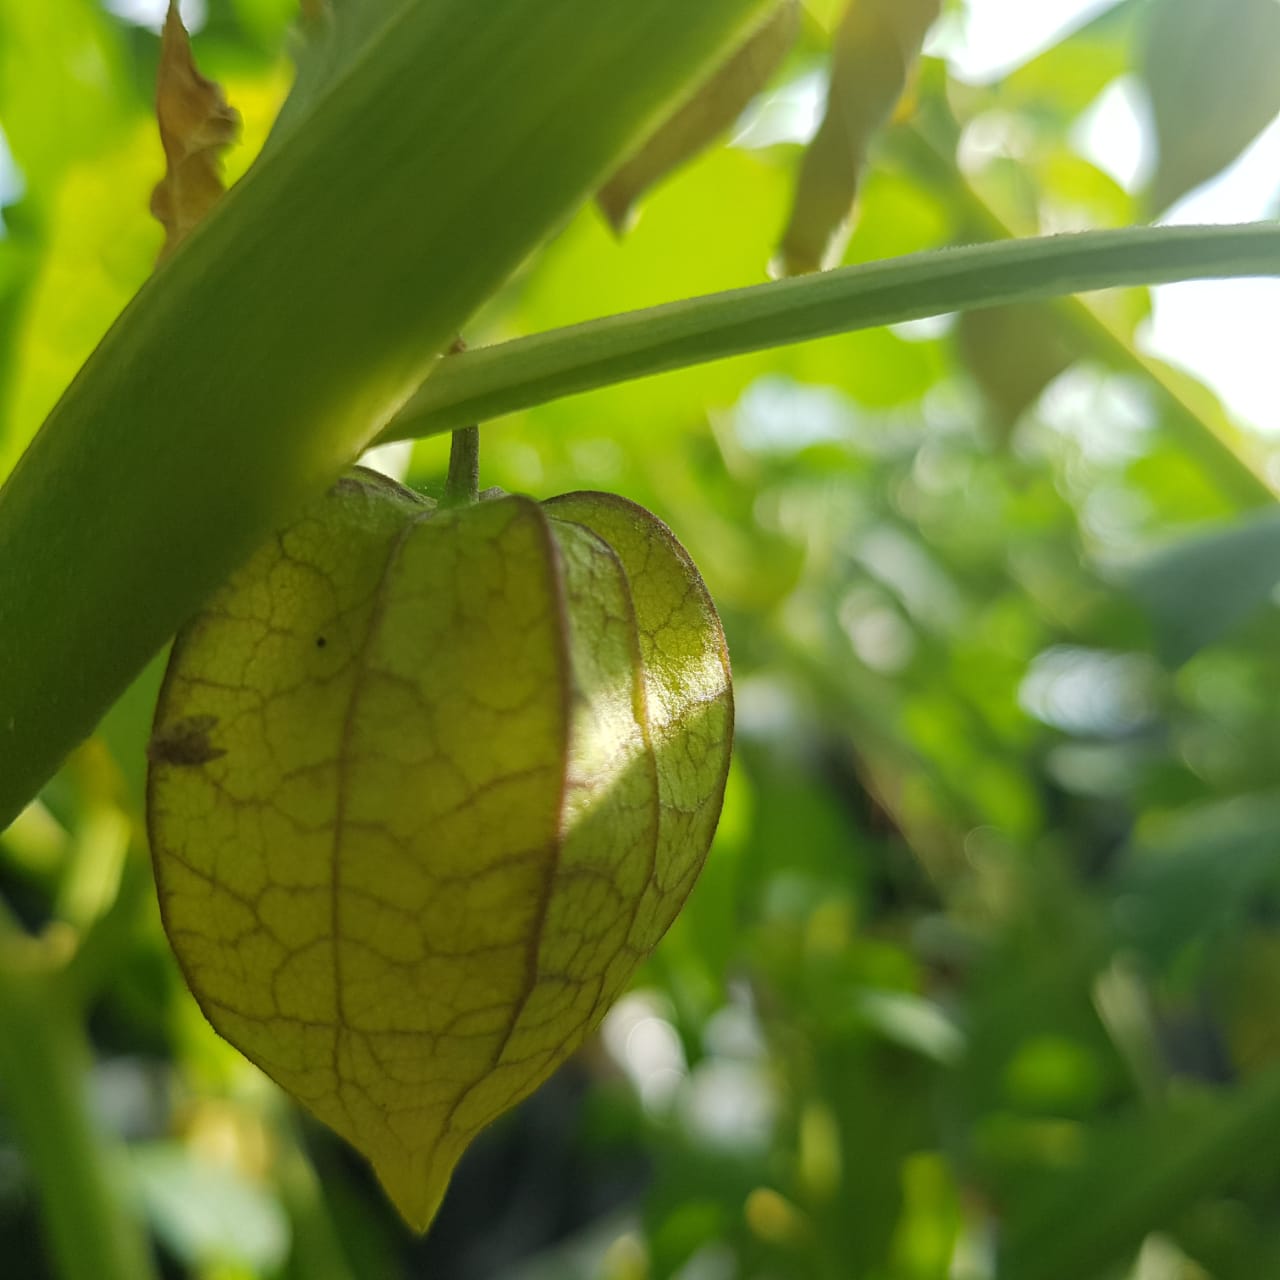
(44, 1058)
(462, 486)
(485, 382)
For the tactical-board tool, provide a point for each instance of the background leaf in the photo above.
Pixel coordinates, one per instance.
(874, 49)
(1202, 588)
(1210, 71)
(713, 107)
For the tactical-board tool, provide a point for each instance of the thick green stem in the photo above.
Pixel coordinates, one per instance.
(44, 1058)
(257, 362)
(462, 487)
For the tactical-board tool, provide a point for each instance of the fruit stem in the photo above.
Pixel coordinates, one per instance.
(462, 487)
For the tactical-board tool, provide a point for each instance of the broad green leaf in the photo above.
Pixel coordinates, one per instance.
(1202, 588)
(427, 786)
(268, 351)
(1211, 72)
(875, 47)
(714, 106)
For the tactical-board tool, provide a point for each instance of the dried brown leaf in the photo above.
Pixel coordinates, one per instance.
(712, 109)
(196, 126)
(875, 49)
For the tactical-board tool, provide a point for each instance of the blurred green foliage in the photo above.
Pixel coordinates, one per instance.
(983, 976)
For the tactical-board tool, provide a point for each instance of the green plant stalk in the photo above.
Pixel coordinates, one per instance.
(485, 382)
(44, 1057)
(462, 485)
(268, 351)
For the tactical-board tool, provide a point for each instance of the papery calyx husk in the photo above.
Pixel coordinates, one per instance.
(427, 785)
